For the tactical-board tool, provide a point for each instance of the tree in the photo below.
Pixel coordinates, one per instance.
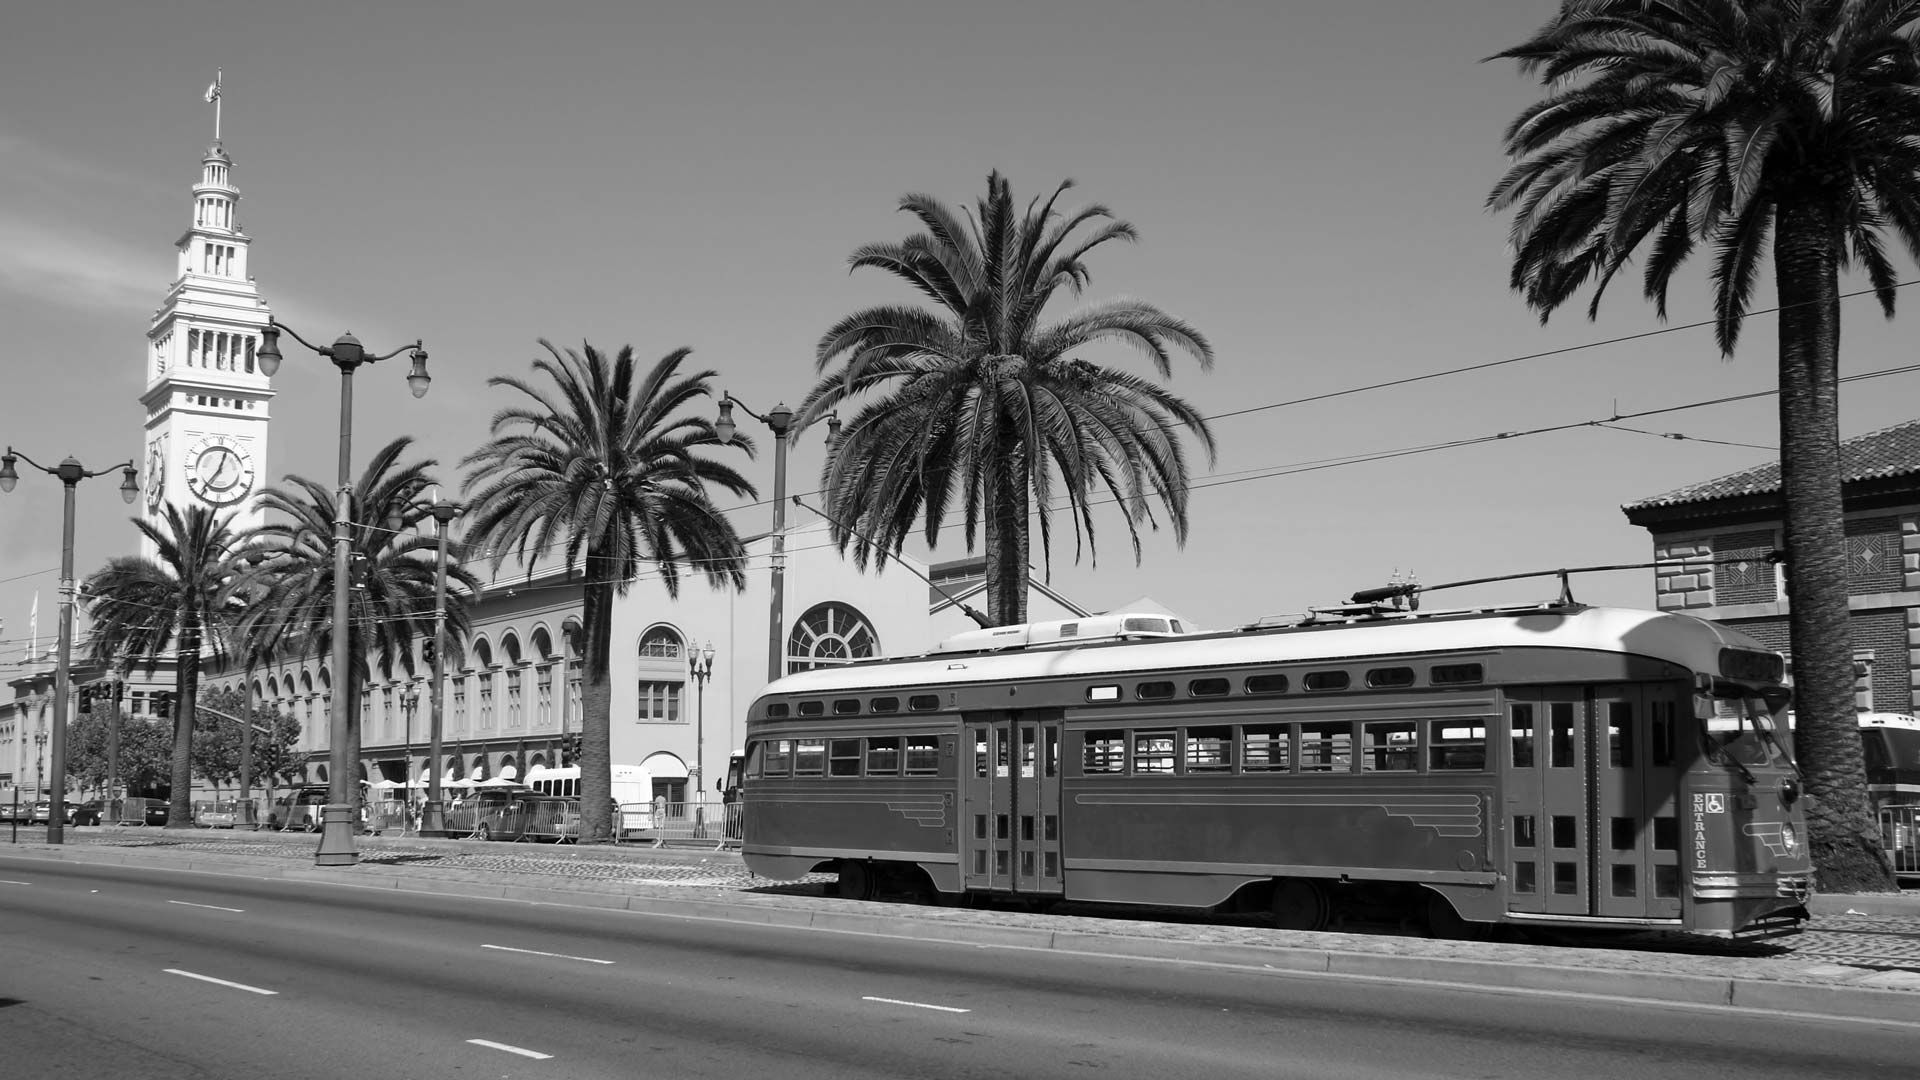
(217, 744)
(603, 460)
(980, 400)
(146, 751)
(1667, 125)
(391, 602)
(181, 602)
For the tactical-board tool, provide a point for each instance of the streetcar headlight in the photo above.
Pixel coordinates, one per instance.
(1789, 792)
(1789, 839)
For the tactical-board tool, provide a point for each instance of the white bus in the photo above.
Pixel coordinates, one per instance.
(632, 791)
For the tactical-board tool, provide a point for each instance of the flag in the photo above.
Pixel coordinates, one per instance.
(213, 92)
(33, 627)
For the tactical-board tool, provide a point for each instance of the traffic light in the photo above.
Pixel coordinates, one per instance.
(163, 703)
(86, 700)
(570, 748)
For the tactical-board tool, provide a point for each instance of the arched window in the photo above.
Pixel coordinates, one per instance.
(510, 645)
(830, 633)
(660, 643)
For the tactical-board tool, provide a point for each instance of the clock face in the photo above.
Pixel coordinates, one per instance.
(220, 471)
(156, 473)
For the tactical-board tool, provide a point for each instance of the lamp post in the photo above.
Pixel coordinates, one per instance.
(336, 834)
(780, 422)
(700, 666)
(70, 472)
(40, 770)
(433, 820)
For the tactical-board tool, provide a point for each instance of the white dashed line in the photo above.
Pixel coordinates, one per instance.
(916, 1004)
(209, 907)
(4, 882)
(555, 955)
(523, 1052)
(222, 982)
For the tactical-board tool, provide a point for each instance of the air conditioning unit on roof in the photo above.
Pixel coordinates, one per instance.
(1119, 626)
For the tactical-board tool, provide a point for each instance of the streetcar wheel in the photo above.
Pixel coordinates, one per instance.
(856, 881)
(1299, 904)
(1444, 922)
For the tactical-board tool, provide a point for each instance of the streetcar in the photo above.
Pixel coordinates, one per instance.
(1548, 765)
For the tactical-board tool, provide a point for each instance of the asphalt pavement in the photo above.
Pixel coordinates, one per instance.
(1859, 956)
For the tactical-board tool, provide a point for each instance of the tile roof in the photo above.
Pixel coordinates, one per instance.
(1892, 451)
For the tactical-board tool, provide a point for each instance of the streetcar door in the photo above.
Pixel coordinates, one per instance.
(1549, 836)
(1011, 820)
(1636, 788)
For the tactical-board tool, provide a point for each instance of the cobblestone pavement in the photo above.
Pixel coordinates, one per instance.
(1884, 949)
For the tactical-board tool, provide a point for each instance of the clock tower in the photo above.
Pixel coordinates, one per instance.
(206, 398)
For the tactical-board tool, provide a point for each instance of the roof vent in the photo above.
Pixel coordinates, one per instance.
(1093, 628)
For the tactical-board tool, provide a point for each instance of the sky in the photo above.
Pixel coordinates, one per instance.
(1308, 181)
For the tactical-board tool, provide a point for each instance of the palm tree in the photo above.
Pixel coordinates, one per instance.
(603, 460)
(979, 400)
(391, 603)
(1736, 125)
(182, 601)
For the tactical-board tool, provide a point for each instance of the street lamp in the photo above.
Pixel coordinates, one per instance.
(336, 834)
(433, 816)
(40, 770)
(780, 422)
(70, 473)
(700, 666)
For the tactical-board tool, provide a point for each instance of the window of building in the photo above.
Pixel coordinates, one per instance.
(659, 702)
(830, 633)
(660, 643)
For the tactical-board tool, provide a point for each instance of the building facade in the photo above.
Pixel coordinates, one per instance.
(1714, 543)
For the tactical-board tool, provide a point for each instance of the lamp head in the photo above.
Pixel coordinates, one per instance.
(269, 354)
(129, 485)
(780, 419)
(417, 379)
(833, 432)
(723, 427)
(707, 654)
(8, 477)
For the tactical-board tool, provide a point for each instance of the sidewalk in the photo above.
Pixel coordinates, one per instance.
(1861, 957)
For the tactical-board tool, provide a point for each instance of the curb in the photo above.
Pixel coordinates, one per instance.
(1894, 1003)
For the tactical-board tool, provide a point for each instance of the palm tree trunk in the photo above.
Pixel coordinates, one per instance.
(1006, 542)
(1844, 843)
(596, 707)
(185, 702)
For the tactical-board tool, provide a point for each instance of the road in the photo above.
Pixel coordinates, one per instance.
(116, 971)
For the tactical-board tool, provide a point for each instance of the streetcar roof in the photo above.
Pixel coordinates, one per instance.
(1682, 639)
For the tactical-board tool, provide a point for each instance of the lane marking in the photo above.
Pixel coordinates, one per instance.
(222, 982)
(5, 882)
(916, 1004)
(209, 907)
(522, 1051)
(555, 955)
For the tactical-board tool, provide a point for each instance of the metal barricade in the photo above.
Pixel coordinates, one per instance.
(1900, 836)
(700, 823)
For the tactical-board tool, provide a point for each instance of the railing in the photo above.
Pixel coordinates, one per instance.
(1900, 836)
(700, 823)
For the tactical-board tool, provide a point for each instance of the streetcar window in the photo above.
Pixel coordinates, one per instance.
(809, 757)
(1103, 693)
(1326, 746)
(1209, 748)
(1383, 677)
(1453, 745)
(885, 705)
(1153, 751)
(813, 708)
(756, 754)
(846, 707)
(1266, 684)
(1209, 688)
(923, 755)
(923, 703)
(1390, 746)
(1153, 691)
(1560, 731)
(1266, 748)
(1327, 680)
(1522, 736)
(843, 757)
(779, 757)
(883, 756)
(1660, 715)
(1106, 752)
(1620, 734)
(1455, 674)
(777, 711)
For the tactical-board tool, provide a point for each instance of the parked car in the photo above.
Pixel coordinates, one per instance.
(42, 812)
(87, 813)
(298, 809)
(528, 816)
(215, 815)
(143, 811)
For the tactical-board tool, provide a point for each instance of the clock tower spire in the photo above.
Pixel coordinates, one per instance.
(206, 398)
